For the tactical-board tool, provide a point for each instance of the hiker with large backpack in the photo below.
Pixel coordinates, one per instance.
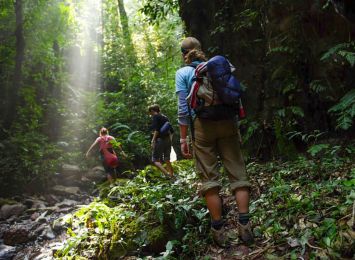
(161, 140)
(107, 154)
(208, 103)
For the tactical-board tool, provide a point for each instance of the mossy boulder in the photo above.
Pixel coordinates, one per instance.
(157, 238)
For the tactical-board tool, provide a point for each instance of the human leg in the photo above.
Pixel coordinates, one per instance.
(161, 167)
(205, 155)
(214, 204)
(108, 170)
(242, 199)
(229, 148)
(230, 152)
(169, 168)
(166, 155)
(110, 173)
(157, 155)
(109, 177)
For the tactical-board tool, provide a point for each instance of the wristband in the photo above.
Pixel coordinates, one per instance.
(182, 140)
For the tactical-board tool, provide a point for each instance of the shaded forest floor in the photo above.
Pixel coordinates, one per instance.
(299, 209)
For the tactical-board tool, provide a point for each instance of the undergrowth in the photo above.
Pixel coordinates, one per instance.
(302, 209)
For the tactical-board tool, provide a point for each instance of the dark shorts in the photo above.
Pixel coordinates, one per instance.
(109, 170)
(161, 150)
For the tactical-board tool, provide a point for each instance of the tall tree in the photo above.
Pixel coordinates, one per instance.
(19, 59)
(126, 32)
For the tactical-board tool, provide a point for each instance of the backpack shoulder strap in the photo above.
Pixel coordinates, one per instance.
(192, 65)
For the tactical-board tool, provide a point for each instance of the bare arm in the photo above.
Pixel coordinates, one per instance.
(119, 146)
(155, 136)
(123, 153)
(184, 146)
(92, 146)
(183, 131)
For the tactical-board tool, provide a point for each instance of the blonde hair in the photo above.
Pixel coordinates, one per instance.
(193, 46)
(194, 55)
(103, 131)
(191, 43)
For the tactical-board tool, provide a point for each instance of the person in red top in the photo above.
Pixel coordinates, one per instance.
(104, 143)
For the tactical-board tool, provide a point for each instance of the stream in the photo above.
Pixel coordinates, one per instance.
(28, 226)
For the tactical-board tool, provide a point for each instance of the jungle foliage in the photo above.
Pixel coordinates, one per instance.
(300, 209)
(68, 68)
(75, 73)
(295, 58)
(296, 61)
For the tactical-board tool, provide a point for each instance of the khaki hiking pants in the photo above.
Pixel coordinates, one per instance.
(213, 139)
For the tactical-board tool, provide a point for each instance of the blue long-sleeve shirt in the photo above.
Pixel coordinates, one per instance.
(183, 81)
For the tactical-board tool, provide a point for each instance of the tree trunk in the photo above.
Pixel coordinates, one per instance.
(277, 48)
(13, 94)
(126, 32)
(52, 117)
(102, 46)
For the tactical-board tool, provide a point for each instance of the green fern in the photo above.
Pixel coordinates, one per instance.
(344, 50)
(345, 110)
(117, 126)
(318, 87)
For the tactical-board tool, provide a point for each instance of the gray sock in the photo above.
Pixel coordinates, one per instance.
(217, 224)
(243, 218)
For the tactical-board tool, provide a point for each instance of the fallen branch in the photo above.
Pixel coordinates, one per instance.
(314, 247)
(349, 215)
(259, 252)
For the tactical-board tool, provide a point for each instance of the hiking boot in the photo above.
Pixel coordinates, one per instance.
(245, 233)
(220, 237)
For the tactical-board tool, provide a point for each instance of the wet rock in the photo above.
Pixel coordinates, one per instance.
(44, 256)
(39, 230)
(96, 174)
(28, 202)
(47, 233)
(68, 170)
(17, 198)
(64, 210)
(71, 180)
(35, 216)
(35, 203)
(55, 246)
(51, 199)
(11, 220)
(27, 253)
(16, 235)
(67, 203)
(7, 201)
(42, 218)
(58, 226)
(23, 218)
(7, 252)
(63, 190)
(7, 211)
(85, 179)
(3, 228)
